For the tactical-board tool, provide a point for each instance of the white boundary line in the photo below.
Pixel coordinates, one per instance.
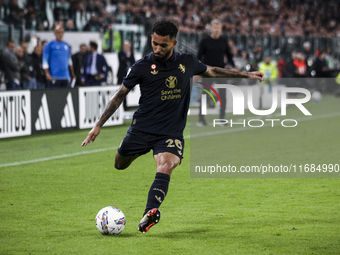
(57, 157)
(188, 136)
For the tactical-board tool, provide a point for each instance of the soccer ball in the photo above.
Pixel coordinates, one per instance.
(110, 221)
(316, 96)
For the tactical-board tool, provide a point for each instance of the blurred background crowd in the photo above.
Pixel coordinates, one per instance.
(305, 19)
(275, 17)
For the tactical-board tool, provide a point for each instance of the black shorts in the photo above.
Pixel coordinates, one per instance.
(137, 142)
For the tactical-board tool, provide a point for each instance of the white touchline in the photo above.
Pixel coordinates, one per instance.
(186, 137)
(57, 157)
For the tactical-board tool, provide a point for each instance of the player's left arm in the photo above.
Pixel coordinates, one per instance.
(110, 109)
(218, 72)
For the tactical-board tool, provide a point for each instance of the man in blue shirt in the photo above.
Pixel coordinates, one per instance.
(158, 124)
(57, 62)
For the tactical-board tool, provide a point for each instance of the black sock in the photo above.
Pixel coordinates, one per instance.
(158, 191)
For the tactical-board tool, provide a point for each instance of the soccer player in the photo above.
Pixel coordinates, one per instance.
(164, 78)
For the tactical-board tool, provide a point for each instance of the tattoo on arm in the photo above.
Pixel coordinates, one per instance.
(113, 105)
(218, 72)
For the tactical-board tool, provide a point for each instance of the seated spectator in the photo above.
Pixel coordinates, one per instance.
(4, 9)
(61, 12)
(78, 15)
(15, 18)
(69, 26)
(94, 7)
(290, 18)
(38, 7)
(30, 19)
(94, 24)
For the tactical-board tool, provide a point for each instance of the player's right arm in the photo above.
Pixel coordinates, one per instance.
(110, 109)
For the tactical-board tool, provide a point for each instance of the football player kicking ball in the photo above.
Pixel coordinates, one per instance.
(164, 79)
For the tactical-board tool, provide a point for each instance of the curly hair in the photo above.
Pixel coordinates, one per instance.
(164, 28)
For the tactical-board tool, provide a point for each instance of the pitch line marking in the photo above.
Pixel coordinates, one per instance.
(187, 136)
(57, 157)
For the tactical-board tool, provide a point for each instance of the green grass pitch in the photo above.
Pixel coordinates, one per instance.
(49, 206)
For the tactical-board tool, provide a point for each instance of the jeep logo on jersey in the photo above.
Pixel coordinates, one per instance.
(171, 82)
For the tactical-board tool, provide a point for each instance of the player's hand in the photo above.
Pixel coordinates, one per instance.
(257, 75)
(91, 136)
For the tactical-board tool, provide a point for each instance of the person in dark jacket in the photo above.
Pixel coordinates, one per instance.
(95, 67)
(32, 84)
(11, 68)
(290, 70)
(37, 65)
(25, 77)
(126, 59)
(320, 65)
(212, 51)
(78, 60)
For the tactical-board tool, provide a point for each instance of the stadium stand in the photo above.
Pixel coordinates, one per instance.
(275, 17)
